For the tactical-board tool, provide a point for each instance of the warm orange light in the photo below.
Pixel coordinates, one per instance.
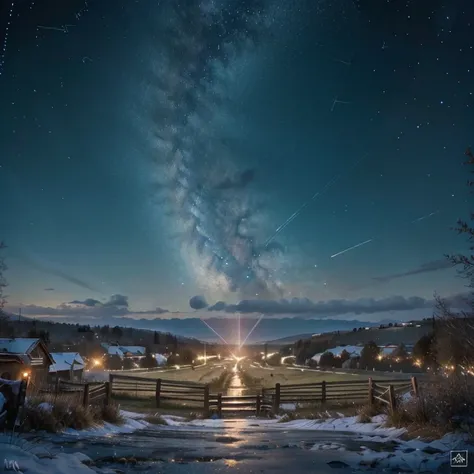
(25, 375)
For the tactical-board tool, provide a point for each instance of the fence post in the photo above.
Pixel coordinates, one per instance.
(276, 401)
(259, 404)
(414, 386)
(219, 405)
(57, 385)
(371, 391)
(108, 393)
(206, 400)
(391, 397)
(85, 399)
(111, 380)
(323, 392)
(158, 392)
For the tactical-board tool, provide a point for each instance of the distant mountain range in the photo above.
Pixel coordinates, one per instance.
(269, 329)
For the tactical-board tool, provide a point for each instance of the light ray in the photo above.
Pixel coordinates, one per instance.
(215, 332)
(252, 330)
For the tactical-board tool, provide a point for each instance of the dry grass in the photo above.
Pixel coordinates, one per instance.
(155, 419)
(204, 374)
(55, 413)
(444, 406)
(268, 377)
(220, 383)
(366, 412)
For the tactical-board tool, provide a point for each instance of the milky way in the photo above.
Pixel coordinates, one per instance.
(209, 198)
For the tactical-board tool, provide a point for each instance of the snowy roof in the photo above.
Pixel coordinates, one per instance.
(122, 350)
(354, 351)
(135, 350)
(64, 361)
(160, 359)
(387, 350)
(18, 345)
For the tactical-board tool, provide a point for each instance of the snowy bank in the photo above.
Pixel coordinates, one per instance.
(343, 424)
(25, 461)
(132, 422)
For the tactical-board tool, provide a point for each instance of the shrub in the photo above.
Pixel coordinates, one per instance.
(55, 413)
(155, 420)
(447, 404)
(111, 414)
(366, 412)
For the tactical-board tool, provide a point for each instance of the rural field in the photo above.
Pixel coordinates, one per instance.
(257, 377)
(203, 374)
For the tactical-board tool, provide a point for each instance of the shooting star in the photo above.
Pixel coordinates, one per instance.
(251, 331)
(347, 63)
(295, 214)
(86, 59)
(337, 101)
(352, 248)
(63, 28)
(422, 218)
(379, 236)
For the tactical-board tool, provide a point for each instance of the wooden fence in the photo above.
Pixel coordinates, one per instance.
(195, 394)
(91, 393)
(222, 404)
(173, 392)
(354, 391)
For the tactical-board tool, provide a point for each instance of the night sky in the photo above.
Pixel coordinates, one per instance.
(152, 151)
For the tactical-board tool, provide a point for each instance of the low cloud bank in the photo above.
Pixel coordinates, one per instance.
(118, 306)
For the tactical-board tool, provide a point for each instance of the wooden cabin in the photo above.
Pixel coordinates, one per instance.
(24, 357)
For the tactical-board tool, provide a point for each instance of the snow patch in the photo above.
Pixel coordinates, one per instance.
(30, 463)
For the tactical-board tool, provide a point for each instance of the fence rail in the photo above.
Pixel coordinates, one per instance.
(171, 391)
(221, 404)
(90, 393)
(269, 400)
(383, 391)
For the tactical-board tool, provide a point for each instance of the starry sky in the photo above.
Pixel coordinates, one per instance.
(249, 150)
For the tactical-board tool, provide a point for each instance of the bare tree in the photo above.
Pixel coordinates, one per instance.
(455, 342)
(4, 319)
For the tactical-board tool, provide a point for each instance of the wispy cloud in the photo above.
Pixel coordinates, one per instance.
(51, 270)
(116, 305)
(428, 267)
(49, 289)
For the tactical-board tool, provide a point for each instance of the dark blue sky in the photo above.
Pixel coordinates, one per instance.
(230, 87)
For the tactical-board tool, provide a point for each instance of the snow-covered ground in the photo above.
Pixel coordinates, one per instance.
(34, 460)
(380, 447)
(400, 456)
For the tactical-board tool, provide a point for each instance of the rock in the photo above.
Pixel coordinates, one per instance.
(337, 464)
(430, 450)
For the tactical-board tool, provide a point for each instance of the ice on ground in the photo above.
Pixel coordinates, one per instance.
(132, 422)
(31, 463)
(288, 406)
(328, 447)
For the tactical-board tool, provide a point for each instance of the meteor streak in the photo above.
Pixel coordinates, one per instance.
(425, 217)
(374, 238)
(351, 248)
(251, 331)
(295, 214)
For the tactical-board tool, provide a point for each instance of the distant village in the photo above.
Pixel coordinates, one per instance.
(45, 351)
